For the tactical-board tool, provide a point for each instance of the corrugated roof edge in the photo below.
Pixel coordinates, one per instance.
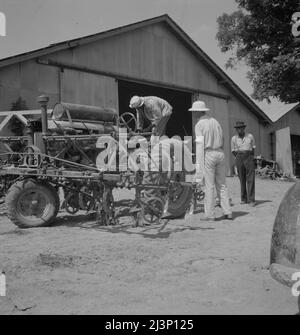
(220, 74)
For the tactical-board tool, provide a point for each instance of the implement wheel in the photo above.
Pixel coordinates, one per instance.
(180, 197)
(31, 203)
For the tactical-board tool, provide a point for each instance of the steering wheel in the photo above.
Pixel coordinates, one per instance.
(129, 121)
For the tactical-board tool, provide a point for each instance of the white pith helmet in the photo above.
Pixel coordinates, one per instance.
(199, 106)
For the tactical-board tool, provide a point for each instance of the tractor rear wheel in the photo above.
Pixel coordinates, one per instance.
(31, 203)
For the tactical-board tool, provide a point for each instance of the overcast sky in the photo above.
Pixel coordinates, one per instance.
(32, 24)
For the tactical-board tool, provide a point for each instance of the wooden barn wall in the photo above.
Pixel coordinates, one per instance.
(266, 146)
(27, 80)
(89, 89)
(152, 53)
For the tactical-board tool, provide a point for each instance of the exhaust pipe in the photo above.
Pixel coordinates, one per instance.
(43, 101)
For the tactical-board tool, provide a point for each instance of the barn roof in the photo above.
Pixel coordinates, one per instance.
(279, 115)
(172, 25)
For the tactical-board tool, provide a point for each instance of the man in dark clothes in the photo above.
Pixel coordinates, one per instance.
(242, 147)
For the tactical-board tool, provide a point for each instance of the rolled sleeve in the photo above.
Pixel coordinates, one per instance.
(253, 142)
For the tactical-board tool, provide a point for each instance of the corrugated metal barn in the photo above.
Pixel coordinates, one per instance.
(152, 57)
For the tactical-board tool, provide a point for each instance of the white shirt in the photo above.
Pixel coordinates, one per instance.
(247, 143)
(211, 130)
(209, 135)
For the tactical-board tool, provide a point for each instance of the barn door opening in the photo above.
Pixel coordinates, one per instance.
(180, 122)
(295, 141)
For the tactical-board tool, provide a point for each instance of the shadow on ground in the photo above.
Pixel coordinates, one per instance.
(160, 231)
(261, 202)
(235, 215)
(126, 222)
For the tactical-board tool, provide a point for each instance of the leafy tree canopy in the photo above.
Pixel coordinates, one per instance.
(259, 33)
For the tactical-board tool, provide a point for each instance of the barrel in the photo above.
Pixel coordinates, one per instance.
(64, 111)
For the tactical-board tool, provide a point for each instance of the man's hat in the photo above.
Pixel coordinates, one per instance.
(240, 124)
(136, 102)
(199, 106)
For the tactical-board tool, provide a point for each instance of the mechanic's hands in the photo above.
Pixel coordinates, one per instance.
(199, 183)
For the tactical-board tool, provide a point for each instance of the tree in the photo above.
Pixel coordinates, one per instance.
(260, 34)
(16, 126)
(19, 105)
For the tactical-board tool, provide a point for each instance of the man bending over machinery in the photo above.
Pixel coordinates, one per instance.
(153, 109)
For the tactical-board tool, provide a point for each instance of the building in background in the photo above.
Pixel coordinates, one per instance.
(152, 57)
(284, 137)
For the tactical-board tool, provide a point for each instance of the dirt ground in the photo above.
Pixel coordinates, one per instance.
(177, 267)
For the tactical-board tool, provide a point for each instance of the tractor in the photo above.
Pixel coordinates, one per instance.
(74, 157)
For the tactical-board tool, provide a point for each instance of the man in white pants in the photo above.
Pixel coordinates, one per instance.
(210, 142)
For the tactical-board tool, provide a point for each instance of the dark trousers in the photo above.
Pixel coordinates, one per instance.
(246, 171)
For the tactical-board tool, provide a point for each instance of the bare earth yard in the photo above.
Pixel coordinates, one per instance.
(178, 267)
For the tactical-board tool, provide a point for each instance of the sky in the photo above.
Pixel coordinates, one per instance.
(33, 24)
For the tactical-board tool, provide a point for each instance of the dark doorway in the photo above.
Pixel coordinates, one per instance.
(295, 142)
(180, 122)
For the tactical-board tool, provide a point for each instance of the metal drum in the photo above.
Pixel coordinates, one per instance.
(74, 112)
